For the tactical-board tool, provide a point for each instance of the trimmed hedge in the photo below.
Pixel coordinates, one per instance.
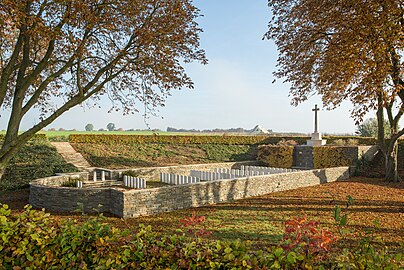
(173, 139)
(37, 137)
(333, 156)
(192, 139)
(276, 156)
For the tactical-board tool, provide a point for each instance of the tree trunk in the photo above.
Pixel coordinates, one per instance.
(2, 169)
(380, 123)
(7, 152)
(391, 161)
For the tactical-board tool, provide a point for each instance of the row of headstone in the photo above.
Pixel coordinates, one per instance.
(211, 176)
(222, 173)
(134, 182)
(266, 170)
(175, 179)
(95, 176)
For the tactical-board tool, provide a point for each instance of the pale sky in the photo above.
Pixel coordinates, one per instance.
(234, 90)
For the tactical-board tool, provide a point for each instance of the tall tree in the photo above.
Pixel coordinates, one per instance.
(57, 54)
(89, 127)
(111, 126)
(344, 50)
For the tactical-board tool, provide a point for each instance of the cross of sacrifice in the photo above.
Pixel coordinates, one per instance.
(315, 110)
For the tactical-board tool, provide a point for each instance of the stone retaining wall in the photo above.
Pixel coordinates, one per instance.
(132, 203)
(153, 173)
(146, 202)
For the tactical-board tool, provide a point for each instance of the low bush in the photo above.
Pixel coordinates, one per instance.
(36, 159)
(31, 240)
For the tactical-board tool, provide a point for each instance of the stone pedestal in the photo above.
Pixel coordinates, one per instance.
(316, 140)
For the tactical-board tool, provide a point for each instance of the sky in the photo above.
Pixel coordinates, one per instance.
(234, 90)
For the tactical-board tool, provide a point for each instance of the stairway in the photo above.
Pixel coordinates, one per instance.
(71, 156)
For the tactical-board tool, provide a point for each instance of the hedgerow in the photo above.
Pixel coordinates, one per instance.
(173, 139)
(192, 139)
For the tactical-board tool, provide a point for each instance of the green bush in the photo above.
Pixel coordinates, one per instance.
(36, 159)
(31, 240)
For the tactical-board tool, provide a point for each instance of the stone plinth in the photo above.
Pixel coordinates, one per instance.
(316, 140)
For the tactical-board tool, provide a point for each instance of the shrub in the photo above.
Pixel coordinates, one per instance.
(333, 156)
(276, 156)
(31, 240)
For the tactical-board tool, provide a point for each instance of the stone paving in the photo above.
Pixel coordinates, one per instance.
(71, 155)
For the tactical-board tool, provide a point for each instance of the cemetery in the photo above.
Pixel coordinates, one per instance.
(126, 193)
(192, 186)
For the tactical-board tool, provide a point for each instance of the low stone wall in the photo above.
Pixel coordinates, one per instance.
(146, 202)
(45, 193)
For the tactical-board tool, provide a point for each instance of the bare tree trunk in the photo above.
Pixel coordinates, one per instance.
(380, 123)
(391, 162)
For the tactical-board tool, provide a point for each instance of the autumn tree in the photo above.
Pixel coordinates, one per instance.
(57, 54)
(344, 50)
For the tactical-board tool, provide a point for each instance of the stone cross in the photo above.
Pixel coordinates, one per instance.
(315, 110)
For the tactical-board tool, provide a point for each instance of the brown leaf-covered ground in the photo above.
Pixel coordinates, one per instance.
(378, 209)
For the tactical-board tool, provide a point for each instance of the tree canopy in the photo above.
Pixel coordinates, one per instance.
(56, 54)
(343, 50)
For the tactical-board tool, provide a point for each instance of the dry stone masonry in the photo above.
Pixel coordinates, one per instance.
(49, 194)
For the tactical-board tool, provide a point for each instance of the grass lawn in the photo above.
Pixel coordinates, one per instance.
(378, 211)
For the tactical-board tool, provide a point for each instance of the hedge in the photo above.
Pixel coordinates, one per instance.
(276, 156)
(174, 139)
(36, 137)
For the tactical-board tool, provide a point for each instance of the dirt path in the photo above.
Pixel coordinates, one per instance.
(71, 156)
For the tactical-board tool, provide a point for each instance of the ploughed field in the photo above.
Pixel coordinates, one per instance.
(377, 211)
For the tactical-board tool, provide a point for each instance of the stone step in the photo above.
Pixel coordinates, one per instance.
(70, 155)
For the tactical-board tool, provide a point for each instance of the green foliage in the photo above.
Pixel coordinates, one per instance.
(32, 240)
(111, 126)
(369, 128)
(276, 155)
(72, 182)
(26, 239)
(36, 159)
(89, 127)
